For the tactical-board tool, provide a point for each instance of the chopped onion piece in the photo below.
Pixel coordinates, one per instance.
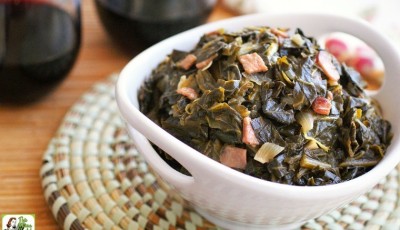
(318, 143)
(182, 82)
(267, 152)
(306, 120)
(297, 39)
(271, 50)
(311, 144)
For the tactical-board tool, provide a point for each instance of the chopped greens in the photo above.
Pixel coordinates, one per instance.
(270, 103)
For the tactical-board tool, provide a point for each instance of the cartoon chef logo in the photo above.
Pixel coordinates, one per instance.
(18, 222)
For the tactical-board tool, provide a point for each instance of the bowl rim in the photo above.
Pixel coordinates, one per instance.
(370, 178)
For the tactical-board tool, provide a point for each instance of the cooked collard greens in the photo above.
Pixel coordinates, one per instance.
(270, 103)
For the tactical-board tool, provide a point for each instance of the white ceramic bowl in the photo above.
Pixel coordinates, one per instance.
(229, 198)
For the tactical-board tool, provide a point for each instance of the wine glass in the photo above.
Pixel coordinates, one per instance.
(39, 42)
(137, 24)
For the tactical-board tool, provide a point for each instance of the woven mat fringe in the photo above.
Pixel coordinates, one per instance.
(94, 178)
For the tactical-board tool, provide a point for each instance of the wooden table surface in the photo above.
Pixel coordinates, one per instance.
(26, 131)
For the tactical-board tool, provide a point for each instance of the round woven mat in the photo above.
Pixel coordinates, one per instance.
(94, 178)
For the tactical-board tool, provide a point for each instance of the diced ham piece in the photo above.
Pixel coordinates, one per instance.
(187, 62)
(203, 64)
(324, 60)
(279, 33)
(188, 92)
(321, 106)
(233, 157)
(248, 135)
(252, 63)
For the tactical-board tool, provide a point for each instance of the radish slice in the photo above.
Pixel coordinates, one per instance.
(337, 48)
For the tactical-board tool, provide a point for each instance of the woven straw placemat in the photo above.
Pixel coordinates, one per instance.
(94, 178)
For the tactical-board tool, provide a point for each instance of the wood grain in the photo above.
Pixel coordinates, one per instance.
(26, 131)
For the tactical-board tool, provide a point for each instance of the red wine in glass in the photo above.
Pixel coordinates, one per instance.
(39, 43)
(136, 24)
